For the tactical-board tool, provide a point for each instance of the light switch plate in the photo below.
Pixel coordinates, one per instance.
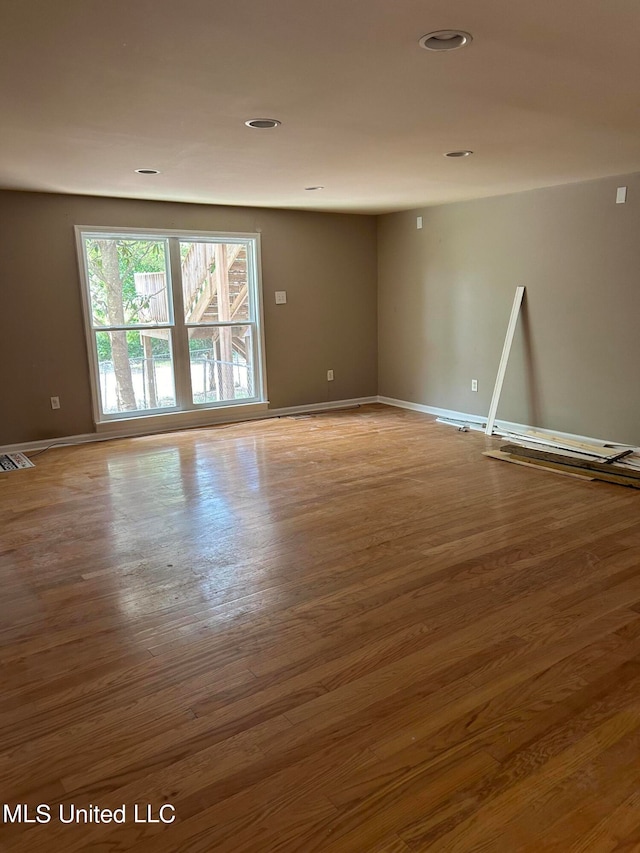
(621, 195)
(281, 297)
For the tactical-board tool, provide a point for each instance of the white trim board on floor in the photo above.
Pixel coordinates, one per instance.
(87, 438)
(507, 426)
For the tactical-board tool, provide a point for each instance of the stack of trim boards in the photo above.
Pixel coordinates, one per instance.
(613, 463)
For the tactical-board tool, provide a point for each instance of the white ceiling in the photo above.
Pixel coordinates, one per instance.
(547, 93)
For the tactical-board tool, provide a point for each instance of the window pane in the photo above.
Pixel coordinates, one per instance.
(136, 371)
(214, 282)
(221, 363)
(127, 281)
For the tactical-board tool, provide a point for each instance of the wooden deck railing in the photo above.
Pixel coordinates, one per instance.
(152, 288)
(198, 278)
(199, 283)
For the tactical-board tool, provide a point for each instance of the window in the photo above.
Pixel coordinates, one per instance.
(173, 321)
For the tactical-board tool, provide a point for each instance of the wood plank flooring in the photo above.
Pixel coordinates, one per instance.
(349, 632)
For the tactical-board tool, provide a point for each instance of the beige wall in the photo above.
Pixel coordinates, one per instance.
(445, 294)
(325, 262)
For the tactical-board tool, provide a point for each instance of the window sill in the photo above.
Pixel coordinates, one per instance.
(167, 421)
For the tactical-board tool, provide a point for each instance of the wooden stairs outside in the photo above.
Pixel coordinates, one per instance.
(203, 289)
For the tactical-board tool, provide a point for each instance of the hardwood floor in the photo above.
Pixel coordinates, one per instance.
(349, 632)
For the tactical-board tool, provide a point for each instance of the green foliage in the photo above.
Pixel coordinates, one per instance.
(134, 256)
(103, 343)
(159, 347)
(200, 345)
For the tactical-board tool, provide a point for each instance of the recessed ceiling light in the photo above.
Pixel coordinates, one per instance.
(310, 189)
(458, 154)
(445, 40)
(147, 171)
(263, 123)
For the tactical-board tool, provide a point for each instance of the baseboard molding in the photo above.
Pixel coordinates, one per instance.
(482, 419)
(224, 418)
(32, 446)
(430, 410)
(321, 407)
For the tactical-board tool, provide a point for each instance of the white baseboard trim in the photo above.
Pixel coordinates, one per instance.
(225, 417)
(431, 410)
(321, 407)
(508, 426)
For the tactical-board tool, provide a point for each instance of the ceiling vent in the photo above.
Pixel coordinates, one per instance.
(445, 40)
(263, 123)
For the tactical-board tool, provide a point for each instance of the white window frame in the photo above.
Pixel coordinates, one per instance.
(185, 410)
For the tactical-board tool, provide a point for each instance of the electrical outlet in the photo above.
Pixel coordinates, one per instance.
(418, 222)
(329, 375)
(281, 297)
(474, 384)
(55, 402)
